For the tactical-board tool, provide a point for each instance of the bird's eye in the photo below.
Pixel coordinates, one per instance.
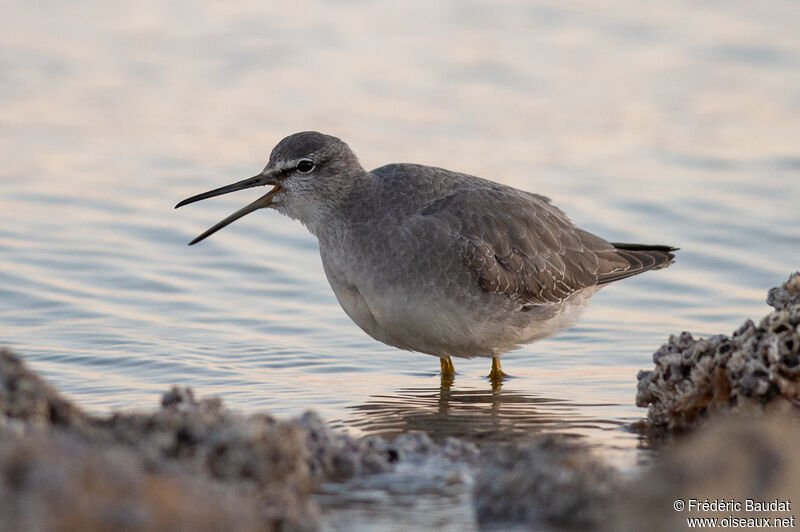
(305, 166)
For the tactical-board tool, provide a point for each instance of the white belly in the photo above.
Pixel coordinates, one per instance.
(417, 320)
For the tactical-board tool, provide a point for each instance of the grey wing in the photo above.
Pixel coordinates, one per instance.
(520, 245)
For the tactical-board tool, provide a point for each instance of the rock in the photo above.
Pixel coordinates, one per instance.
(786, 295)
(730, 459)
(53, 480)
(419, 447)
(757, 367)
(259, 453)
(335, 456)
(24, 396)
(550, 481)
(177, 451)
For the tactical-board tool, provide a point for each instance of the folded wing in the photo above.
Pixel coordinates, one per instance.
(520, 245)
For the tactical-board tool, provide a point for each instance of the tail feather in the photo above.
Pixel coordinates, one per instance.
(640, 258)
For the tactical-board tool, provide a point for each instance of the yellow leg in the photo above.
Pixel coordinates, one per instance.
(448, 373)
(448, 369)
(496, 375)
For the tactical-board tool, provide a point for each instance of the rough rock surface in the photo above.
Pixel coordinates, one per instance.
(758, 366)
(787, 295)
(193, 452)
(556, 484)
(732, 459)
(51, 480)
(25, 396)
(550, 481)
(335, 456)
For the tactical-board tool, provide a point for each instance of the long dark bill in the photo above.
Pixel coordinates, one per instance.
(260, 203)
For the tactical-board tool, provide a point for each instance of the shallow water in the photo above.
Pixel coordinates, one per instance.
(676, 124)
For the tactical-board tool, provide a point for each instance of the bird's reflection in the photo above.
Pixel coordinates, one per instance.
(478, 415)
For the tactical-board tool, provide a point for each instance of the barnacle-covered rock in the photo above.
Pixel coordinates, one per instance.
(549, 481)
(25, 396)
(189, 457)
(757, 366)
(728, 460)
(335, 456)
(786, 295)
(146, 471)
(52, 480)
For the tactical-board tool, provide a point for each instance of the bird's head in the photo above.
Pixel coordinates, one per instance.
(308, 172)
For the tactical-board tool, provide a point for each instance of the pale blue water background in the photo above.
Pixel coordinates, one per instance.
(676, 123)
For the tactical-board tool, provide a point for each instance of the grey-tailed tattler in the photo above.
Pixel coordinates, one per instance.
(430, 260)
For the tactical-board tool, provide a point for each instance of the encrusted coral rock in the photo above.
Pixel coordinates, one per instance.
(192, 451)
(187, 458)
(24, 396)
(56, 481)
(335, 456)
(786, 295)
(730, 459)
(550, 481)
(757, 366)
(260, 454)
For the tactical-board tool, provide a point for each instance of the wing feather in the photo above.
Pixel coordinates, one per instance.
(520, 245)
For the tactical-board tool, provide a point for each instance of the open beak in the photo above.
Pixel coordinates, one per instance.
(260, 203)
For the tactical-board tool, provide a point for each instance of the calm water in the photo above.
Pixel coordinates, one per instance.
(676, 124)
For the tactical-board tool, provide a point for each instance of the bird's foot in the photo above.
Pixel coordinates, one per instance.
(496, 375)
